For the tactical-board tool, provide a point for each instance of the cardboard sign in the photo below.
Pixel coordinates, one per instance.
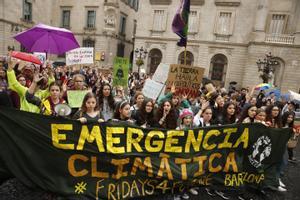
(80, 56)
(152, 89)
(120, 72)
(104, 71)
(75, 97)
(187, 79)
(161, 73)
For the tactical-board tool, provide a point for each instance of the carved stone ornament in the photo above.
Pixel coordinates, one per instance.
(227, 2)
(197, 2)
(110, 18)
(160, 2)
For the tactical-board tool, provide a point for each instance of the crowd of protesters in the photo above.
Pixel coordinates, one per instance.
(39, 89)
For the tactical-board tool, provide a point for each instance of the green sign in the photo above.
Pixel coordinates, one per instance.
(120, 161)
(75, 97)
(120, 72)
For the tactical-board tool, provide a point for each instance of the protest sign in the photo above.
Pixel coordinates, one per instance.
(82, 55)
(161, 73)
(120, 72)
(41, 56)
(104, 71)
(187, 79)
(75, 97)
(116, 160)
(152, 89)
(294, 96)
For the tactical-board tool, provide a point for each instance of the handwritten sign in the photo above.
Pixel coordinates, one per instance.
(187, 79)
(80, 56)
(152, 89)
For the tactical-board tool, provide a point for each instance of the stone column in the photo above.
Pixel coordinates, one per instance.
(297, 21)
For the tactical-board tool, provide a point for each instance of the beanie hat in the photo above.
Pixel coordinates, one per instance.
(185, 112)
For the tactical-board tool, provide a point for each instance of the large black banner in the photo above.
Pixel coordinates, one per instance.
(119, 161)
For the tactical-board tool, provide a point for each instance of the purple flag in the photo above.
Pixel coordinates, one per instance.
(180, 22)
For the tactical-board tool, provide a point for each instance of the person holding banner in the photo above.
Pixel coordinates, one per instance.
(260, 116)
(122, 112)
(144, 117)
(273, 118)
(89, 110)
(228, 114)
(186, 120)
(248, 114)
(203, 117)
(166, 115)
(106, 101)
(138, 101)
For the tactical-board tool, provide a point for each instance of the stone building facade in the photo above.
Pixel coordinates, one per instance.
(106, 25)
(226, 37)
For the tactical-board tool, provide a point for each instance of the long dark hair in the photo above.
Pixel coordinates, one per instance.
(285, 117)
(171, 119)
(244, 114)
(110, 98)
(225, 119)
(269, 117)
(119, 106)
(142, 116)
(85, 99)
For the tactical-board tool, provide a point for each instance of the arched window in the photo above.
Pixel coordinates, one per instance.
(218, 67)
(189, 58)
(155, 57)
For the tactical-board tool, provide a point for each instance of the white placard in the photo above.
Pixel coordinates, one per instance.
(161, 73)
(294, 96)
(83, 55)
(152, 88)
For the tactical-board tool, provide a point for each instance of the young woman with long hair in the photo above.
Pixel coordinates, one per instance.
(166, 116)
(106, 101)
(273, 116)
(89, 110)
(204, 116)
(144, 117)
(248, 114)
(122, 112)
(228, 114)
(288, 121)
(48, 104)
(138, 101)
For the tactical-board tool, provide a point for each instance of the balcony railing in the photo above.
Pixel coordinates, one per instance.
(280, 38)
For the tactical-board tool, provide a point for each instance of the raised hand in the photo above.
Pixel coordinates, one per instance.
(37, 77)
(185, 96)
(173, 89)
(204, 105)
